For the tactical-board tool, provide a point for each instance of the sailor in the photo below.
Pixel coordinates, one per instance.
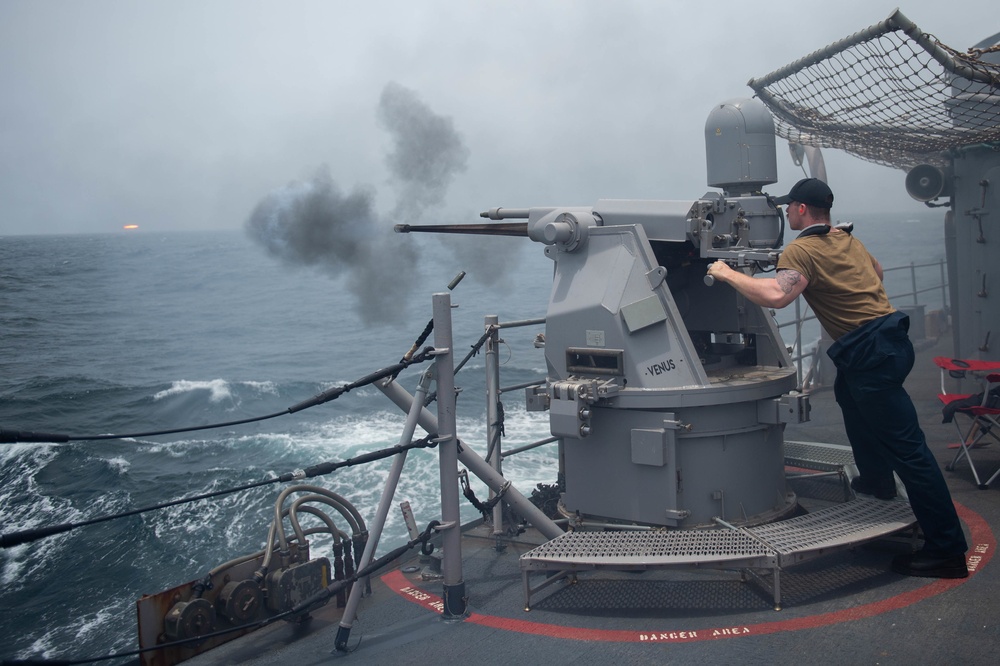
(842, 282)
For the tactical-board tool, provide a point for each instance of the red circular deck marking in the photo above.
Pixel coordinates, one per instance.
(981, 552)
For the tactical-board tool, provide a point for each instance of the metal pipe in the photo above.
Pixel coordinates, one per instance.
(876, 30)
(331, 527)
(493, 455)
(346, 509)
(296, 506)
(454, 598)
(522, 322)
(812, 475)
(798, 340)
(479, 467)
(378, 523)
(515, 387)
(931, 45)
(944, 290)
(533, 445)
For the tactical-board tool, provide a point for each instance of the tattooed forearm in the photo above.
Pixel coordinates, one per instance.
(787, 279)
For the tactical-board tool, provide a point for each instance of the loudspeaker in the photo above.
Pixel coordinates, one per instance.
(925, 182)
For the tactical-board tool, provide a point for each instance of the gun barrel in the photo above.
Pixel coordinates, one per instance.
(503, 229)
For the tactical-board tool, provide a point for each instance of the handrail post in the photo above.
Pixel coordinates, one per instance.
(455, 601)
(798, 339)
(913, 282)
(944, 290)
(493, 425)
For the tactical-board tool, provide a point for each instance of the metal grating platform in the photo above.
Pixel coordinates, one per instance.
(764, 547)
(832, 528)
(771, 546)
(811, 455)
(640, 550)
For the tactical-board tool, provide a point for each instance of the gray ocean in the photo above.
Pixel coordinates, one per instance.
(140, 331)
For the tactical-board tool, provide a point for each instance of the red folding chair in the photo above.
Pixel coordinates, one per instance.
(982, 419)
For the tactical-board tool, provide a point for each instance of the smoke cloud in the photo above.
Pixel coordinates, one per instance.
(426, 156)
(313, 223)
(427, 151)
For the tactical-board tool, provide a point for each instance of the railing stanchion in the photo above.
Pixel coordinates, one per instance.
(493, 425)
(454, 598)
(798, 339)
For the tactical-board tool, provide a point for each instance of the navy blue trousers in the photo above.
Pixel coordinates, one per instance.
(872, 363)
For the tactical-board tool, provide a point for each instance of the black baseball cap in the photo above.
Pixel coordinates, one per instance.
(811, 192)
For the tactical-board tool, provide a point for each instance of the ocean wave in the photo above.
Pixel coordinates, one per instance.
(95, 621)
(240, 520)
(119, 465)
(17, 455)
(26, 507)
(218, 389)
(104, 625)
(270, 388)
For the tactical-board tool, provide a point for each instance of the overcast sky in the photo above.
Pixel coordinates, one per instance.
(186, 114)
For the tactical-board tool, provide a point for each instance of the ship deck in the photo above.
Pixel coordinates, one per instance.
(843, 607)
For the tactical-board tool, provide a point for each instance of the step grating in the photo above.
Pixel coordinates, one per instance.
(642, 549)
(770, 546)
(812, 455)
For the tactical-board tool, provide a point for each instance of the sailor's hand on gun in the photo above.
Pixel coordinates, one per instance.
(718, 270)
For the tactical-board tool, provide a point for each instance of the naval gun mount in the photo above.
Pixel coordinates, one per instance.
(669, 394)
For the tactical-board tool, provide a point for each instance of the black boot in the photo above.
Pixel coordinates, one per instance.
(929, 565)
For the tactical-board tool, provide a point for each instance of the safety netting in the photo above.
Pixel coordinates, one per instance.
(891, 94)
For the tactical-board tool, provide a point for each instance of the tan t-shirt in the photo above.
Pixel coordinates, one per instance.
(844, 290)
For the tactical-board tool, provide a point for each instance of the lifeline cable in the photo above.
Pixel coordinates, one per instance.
(472, 352)
(319, 598)
(26, 536)
(15, 436)
(430, 324)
